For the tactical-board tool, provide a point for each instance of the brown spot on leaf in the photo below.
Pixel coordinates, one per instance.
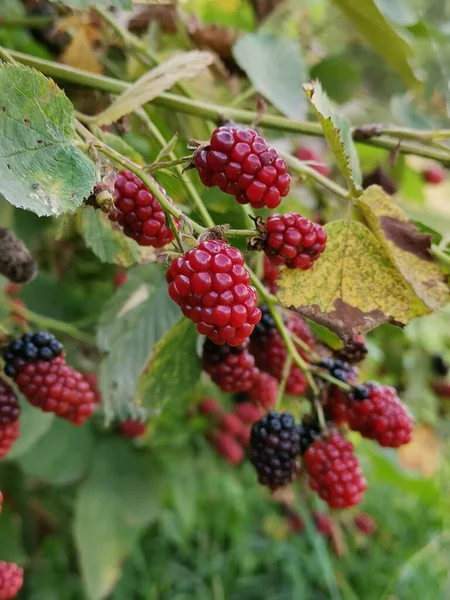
(26, 122)
(346, 321)
(405, 235)
(40, 141)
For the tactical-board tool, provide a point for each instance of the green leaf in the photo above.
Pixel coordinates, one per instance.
(167, 378)
(337, 130)
(144, 314)
(406, 247)
(125, 4)
(11, 547)
(275, 68)
(353, 287)
(117, 501)
(61, 456)
(381, 35)
(33, 425)
(154, 82)
(108, 243)
(339, 76)
(41, 168)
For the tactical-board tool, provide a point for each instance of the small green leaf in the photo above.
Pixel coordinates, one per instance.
(168, 148)
(34, 424)
(154, 82)
(275, 68)
(337, 130)
(381, 35)
(61, 456)
(117, 501)
(109, 244)
(41, 168)
(166, 379)
(353, 287)
(145, 314)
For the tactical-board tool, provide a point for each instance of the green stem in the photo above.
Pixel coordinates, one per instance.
(441, 256)
(302, 169)
(187, 183)
(241, 232)
(54, 324)
(213, 112)
(33, 22)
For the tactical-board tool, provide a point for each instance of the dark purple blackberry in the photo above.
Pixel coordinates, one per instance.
(340, 369)
(9, 405)
(308, 431)
(439, 366)
(30, 348)
(274, 444)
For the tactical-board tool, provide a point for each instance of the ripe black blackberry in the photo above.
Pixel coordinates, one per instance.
(340, 369)
(274, 445)
(30, 348)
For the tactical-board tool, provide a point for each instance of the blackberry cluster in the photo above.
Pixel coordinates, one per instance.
(274, 445)
(139, 213)
(239, 162)
(11, 580)
(294, 241)
(353, 352)
(9, 405)
(211, 285)
(264, 391)
(30, 348)
(227, 447)
(334, 471)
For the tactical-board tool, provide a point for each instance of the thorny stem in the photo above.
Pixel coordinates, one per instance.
(125, 162)
(206, 110)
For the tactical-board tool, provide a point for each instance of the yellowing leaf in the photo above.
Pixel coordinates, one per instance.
(337, 130)
(422, 453)
(80, 53)
(407, 248)
(353, 287)
(153, 83)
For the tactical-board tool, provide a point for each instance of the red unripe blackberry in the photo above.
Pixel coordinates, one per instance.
(54, 386)
(243, 436)
(323, 522)
(247, 412)
(336, 408)
(365, 523)
(334, 471)
(92, 380)
(264, 391)
(209, 406)
(274, 445)
(231, 368)
(294, 241)
(239, 162)
(133, 428)
(353, 352)
(271, 274)
(8, 435)
(211, 285)
(309, 155)
(434, 175)
(271, 354)
(381, 416)
(11, 580)
(120, 278)
(231, 424)
(227, 447)
(9, 405)
(139, 213)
